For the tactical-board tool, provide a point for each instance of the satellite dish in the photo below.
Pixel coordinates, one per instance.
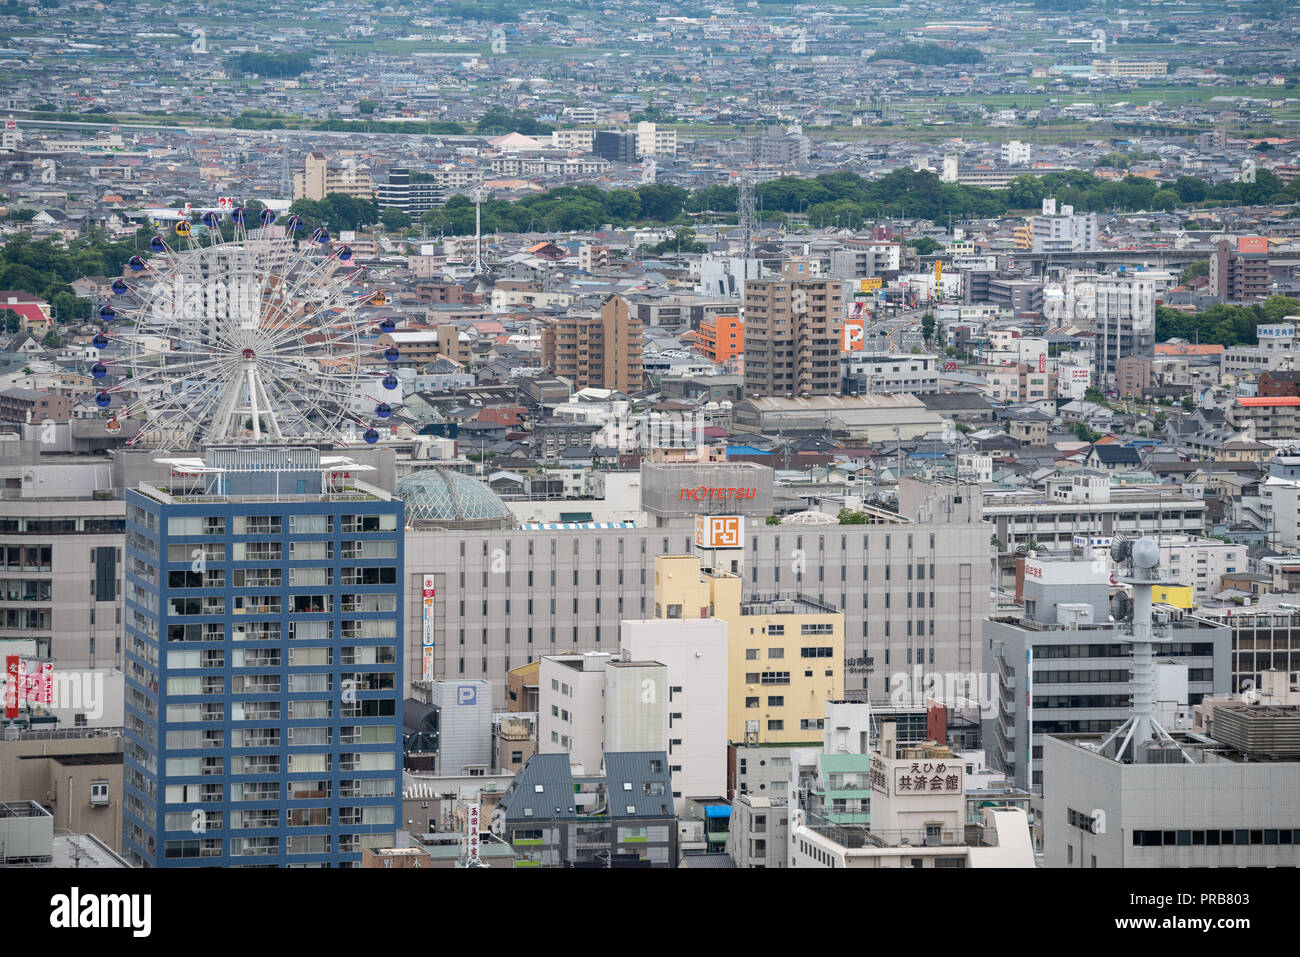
(1120, 547)
(1121, 606)
(1146, 553)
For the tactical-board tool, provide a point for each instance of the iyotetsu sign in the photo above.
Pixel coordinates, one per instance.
(719, 531)
(704, 493)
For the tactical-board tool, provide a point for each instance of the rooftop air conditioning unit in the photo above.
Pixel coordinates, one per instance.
(1074, 614)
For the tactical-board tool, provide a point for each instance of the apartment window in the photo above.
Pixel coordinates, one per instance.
(776, 725)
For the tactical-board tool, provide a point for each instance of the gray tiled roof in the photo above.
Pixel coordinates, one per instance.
(633, 767)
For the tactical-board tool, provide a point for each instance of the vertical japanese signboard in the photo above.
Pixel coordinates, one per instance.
(471, 832)
(427, 632)
(11, 686)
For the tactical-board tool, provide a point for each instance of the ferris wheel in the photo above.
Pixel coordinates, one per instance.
(250, 338)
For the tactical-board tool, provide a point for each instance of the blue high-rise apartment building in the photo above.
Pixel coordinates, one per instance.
(263, 640)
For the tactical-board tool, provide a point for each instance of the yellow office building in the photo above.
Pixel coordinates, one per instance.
(785, 655)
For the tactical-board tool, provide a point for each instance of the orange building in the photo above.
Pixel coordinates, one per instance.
(721, 338)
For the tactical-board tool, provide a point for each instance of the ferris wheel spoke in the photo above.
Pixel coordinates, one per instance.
(318, 379)
(150, 404)
(289, 413)
(307, 272)
(333, 334)
(180, 367)
(291, 301)
(317, 400)
(314, 390)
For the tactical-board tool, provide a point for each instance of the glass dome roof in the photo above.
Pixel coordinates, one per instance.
(811, 517)
(439, 497)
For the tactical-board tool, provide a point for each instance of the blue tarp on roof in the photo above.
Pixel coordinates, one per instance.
(745, 450)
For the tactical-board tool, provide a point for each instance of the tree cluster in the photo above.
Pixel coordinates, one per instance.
(1223, 324)
(337, 210)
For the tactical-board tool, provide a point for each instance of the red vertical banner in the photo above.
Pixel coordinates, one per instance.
(11, 686)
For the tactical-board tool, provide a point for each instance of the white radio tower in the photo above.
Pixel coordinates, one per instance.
(478, 229)
(1143, 558)
(748, 217)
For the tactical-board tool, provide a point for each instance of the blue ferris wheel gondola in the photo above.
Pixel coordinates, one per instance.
(136, 263)
(100, 340)
(345, 253)
(371, 436)
(107, 313)
(387, 325)
(294, 224)
(103, 399)
(211, 220)
(239, 215)
(119, 287)
(389, 381)
(266, 217)
(391, 354)
(383, 410)
(98, 370)
(322, 235)
(158, 244)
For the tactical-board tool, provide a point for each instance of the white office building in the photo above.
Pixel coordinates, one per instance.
(873, 373)
(1014, 153)
(1201, 562)
(1063, 232)
(694, 653)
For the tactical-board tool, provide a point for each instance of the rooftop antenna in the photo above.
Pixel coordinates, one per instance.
(1143, 560)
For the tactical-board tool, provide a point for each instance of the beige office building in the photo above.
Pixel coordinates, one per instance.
(785, 652)
(317, 180)
(792, 334)
(601, 351)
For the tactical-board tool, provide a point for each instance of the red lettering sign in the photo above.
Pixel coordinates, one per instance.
(704, 493)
